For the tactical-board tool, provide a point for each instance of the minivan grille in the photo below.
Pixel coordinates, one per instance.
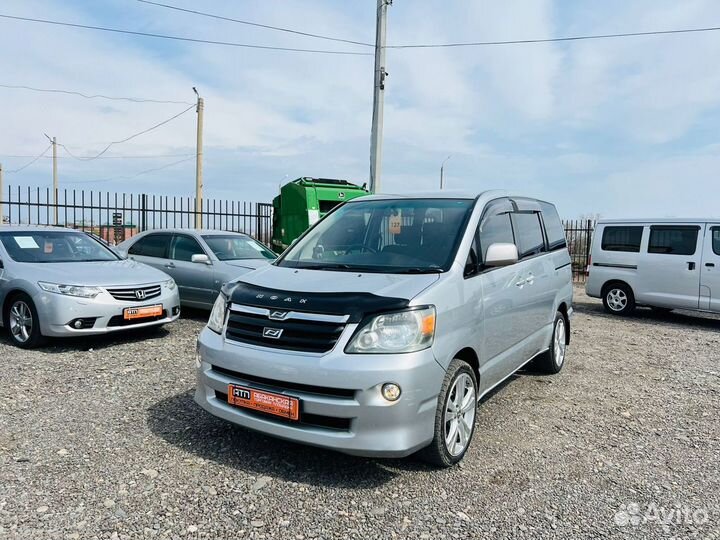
(297, 331)
(131, 294)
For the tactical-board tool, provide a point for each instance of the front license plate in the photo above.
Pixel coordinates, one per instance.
(267, 402)
(142, 312)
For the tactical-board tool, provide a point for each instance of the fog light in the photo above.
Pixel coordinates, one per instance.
(391, 391)
(78, 324)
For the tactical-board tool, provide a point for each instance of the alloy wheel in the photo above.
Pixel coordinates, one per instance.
(560, 342)
(21, 321)
(617, 299)
(459, 416)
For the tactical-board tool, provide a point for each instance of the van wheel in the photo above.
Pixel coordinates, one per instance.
(618, 299)
(22, 323)
(455, 416)
(553, 360)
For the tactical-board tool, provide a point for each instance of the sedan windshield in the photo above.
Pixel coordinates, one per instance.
(389, 236)
(232, 247)
(54, 247)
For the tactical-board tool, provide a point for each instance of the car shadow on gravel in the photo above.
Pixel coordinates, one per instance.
(97, 342)
(644, 315)
(182, 423)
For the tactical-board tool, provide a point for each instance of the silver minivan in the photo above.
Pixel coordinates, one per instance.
(378, 331)
(663, 263)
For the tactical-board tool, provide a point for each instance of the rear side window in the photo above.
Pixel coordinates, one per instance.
(495, 229)
(716, 240)
(553, 227)
(528, 234)
(154, 245)
(673, 240)
(622, 239)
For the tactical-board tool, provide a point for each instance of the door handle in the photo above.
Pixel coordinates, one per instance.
(710, 265)
(691, 265)
(170, 265)
(520, 283)
(530, 279)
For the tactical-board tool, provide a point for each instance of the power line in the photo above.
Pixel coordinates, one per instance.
(31, 162)
(553, 40)
(95, 96)
(267, 26)
(126, 139)
(134, 175)
(145, 156)
(179, 38)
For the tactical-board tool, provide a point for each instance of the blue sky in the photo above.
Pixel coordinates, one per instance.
(619, 128)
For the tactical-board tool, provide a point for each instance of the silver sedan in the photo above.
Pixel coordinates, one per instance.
(200, 261)
(58, 282)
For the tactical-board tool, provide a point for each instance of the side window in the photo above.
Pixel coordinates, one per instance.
(622, 239)
(553, 227)
(716, 240)
(673, 240)
(528, 233)
(184, 247)
(494, 229)
(472, 262)
(154, 245)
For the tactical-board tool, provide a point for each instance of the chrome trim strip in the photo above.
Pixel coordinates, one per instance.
(297, 315)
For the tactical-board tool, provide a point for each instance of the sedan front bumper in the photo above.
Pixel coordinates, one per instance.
(100, 315)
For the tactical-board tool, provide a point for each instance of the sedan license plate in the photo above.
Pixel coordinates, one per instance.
(145, 312)
(267, 402)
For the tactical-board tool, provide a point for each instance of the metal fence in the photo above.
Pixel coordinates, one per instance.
(117, 216)
(579, 234)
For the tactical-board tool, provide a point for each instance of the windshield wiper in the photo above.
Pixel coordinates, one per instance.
(336, 266)
(419, 271)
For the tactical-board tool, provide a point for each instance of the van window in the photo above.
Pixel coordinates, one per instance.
(528, 234)
(154, 245)
(622, 239)
(673, 240)
(716, 240)
(495, 228)
(553, 226)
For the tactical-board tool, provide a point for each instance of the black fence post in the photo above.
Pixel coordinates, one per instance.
(143, 212)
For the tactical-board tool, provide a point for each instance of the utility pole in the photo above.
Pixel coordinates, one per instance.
(198, 161)
(53, 141)
(376, 134)
(442, 169)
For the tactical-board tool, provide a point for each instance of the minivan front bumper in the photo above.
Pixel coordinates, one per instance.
(341, 405)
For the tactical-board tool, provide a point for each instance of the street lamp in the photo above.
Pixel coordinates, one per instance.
(442, 169)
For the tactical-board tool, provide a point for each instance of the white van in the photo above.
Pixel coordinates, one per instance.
(662, 263)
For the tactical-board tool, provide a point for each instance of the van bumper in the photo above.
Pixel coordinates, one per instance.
(341, 405)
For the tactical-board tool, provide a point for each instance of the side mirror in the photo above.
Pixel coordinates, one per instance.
(501, 255)
(200, 258)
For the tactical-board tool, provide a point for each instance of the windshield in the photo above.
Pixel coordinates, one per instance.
(54, 247)
(230, 248)
(389, 236)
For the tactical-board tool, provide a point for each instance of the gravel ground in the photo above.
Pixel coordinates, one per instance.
(101, 439)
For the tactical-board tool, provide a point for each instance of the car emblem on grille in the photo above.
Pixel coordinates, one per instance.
(278, 315)
(140, 294)
(272, 333)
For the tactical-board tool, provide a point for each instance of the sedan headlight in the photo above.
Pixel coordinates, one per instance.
(170, 284)
(400, 332)
(217, 315)
(70, 290)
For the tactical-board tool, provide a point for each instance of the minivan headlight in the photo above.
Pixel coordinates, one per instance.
(400, 332)
(169, 284)
(69, 290)
(217, 315)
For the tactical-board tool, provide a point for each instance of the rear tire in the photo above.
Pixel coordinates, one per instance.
(618, 299)
(454, 417)
(552, 361)
(22, 322)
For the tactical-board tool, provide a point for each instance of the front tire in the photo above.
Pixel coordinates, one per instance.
(22, 322)
(454, 417)
(618, 299)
